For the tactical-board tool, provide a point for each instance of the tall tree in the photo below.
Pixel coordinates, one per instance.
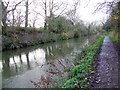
(72, 13)
(44, 6)
(13, 21)
(45, 9)
(113, 9)
(49, 9)
(54, 7)
(114, 17)
(0, 17)
(26, 13)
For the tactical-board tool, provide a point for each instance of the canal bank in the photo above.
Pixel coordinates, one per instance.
(81, 75)
(21, 38)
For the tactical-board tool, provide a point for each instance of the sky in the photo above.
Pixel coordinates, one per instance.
(85, 12)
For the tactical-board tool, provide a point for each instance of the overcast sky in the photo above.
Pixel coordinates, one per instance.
(85, 12)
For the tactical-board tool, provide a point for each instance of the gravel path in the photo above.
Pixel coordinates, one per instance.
(106, 75)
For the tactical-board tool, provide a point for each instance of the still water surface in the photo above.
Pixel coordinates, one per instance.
(21, 66)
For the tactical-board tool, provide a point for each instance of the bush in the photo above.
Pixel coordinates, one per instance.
(76, 34)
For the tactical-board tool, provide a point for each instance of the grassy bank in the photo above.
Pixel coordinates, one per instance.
(79, 76)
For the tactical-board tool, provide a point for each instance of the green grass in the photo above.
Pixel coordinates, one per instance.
(114, 37)
(77, 77)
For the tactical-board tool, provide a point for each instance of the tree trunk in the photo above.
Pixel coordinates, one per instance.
(26, 14)
(45, 24)
(13, 22)
(119, 16)
(4, 16)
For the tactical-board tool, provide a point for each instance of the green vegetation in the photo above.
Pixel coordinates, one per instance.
(114, 37)
(79, 76)
(56, 27)
(27, 37)
(61, 22)
(60, 29)
(112, 25)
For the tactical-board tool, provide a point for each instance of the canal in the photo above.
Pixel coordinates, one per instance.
(20, 67)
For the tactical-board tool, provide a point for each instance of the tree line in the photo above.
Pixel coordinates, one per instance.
(58, 16)
(113, 9)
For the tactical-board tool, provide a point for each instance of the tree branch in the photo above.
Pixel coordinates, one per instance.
(14, 7)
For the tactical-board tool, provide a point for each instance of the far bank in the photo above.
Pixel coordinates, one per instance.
(24, 37)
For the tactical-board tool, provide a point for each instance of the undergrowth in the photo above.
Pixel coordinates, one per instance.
(114, 37)
(78, 76)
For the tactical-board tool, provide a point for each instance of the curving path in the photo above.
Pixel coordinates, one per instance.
(106, 75)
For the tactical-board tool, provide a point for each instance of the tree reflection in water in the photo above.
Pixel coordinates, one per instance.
(14, 65)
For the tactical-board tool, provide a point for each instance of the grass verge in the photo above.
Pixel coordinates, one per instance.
(79, 77)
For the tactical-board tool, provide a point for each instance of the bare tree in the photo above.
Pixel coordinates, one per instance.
(44, 5)
(6, 10)
(49, 10)
(0, 17)
(4, 14)
(113, 9)
(35, 17)
(19, 18)
(26, 13)
(27, 4)
(13, 21)
(106, 6)
(72, 12)
(53, 8)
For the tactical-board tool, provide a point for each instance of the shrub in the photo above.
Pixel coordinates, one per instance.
(76, 34)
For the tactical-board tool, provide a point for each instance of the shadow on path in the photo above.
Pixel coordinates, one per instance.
(106, 74)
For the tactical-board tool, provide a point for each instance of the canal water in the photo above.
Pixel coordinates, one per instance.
(20, 67)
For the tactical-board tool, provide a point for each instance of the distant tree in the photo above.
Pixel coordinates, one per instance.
(54, 7)
(60, 24)
(19, 18)
(113, 21)
(49, 9)
(71, 14)
(34, 19)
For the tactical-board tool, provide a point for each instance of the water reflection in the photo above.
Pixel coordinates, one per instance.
(17, 64)
(1, 66)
